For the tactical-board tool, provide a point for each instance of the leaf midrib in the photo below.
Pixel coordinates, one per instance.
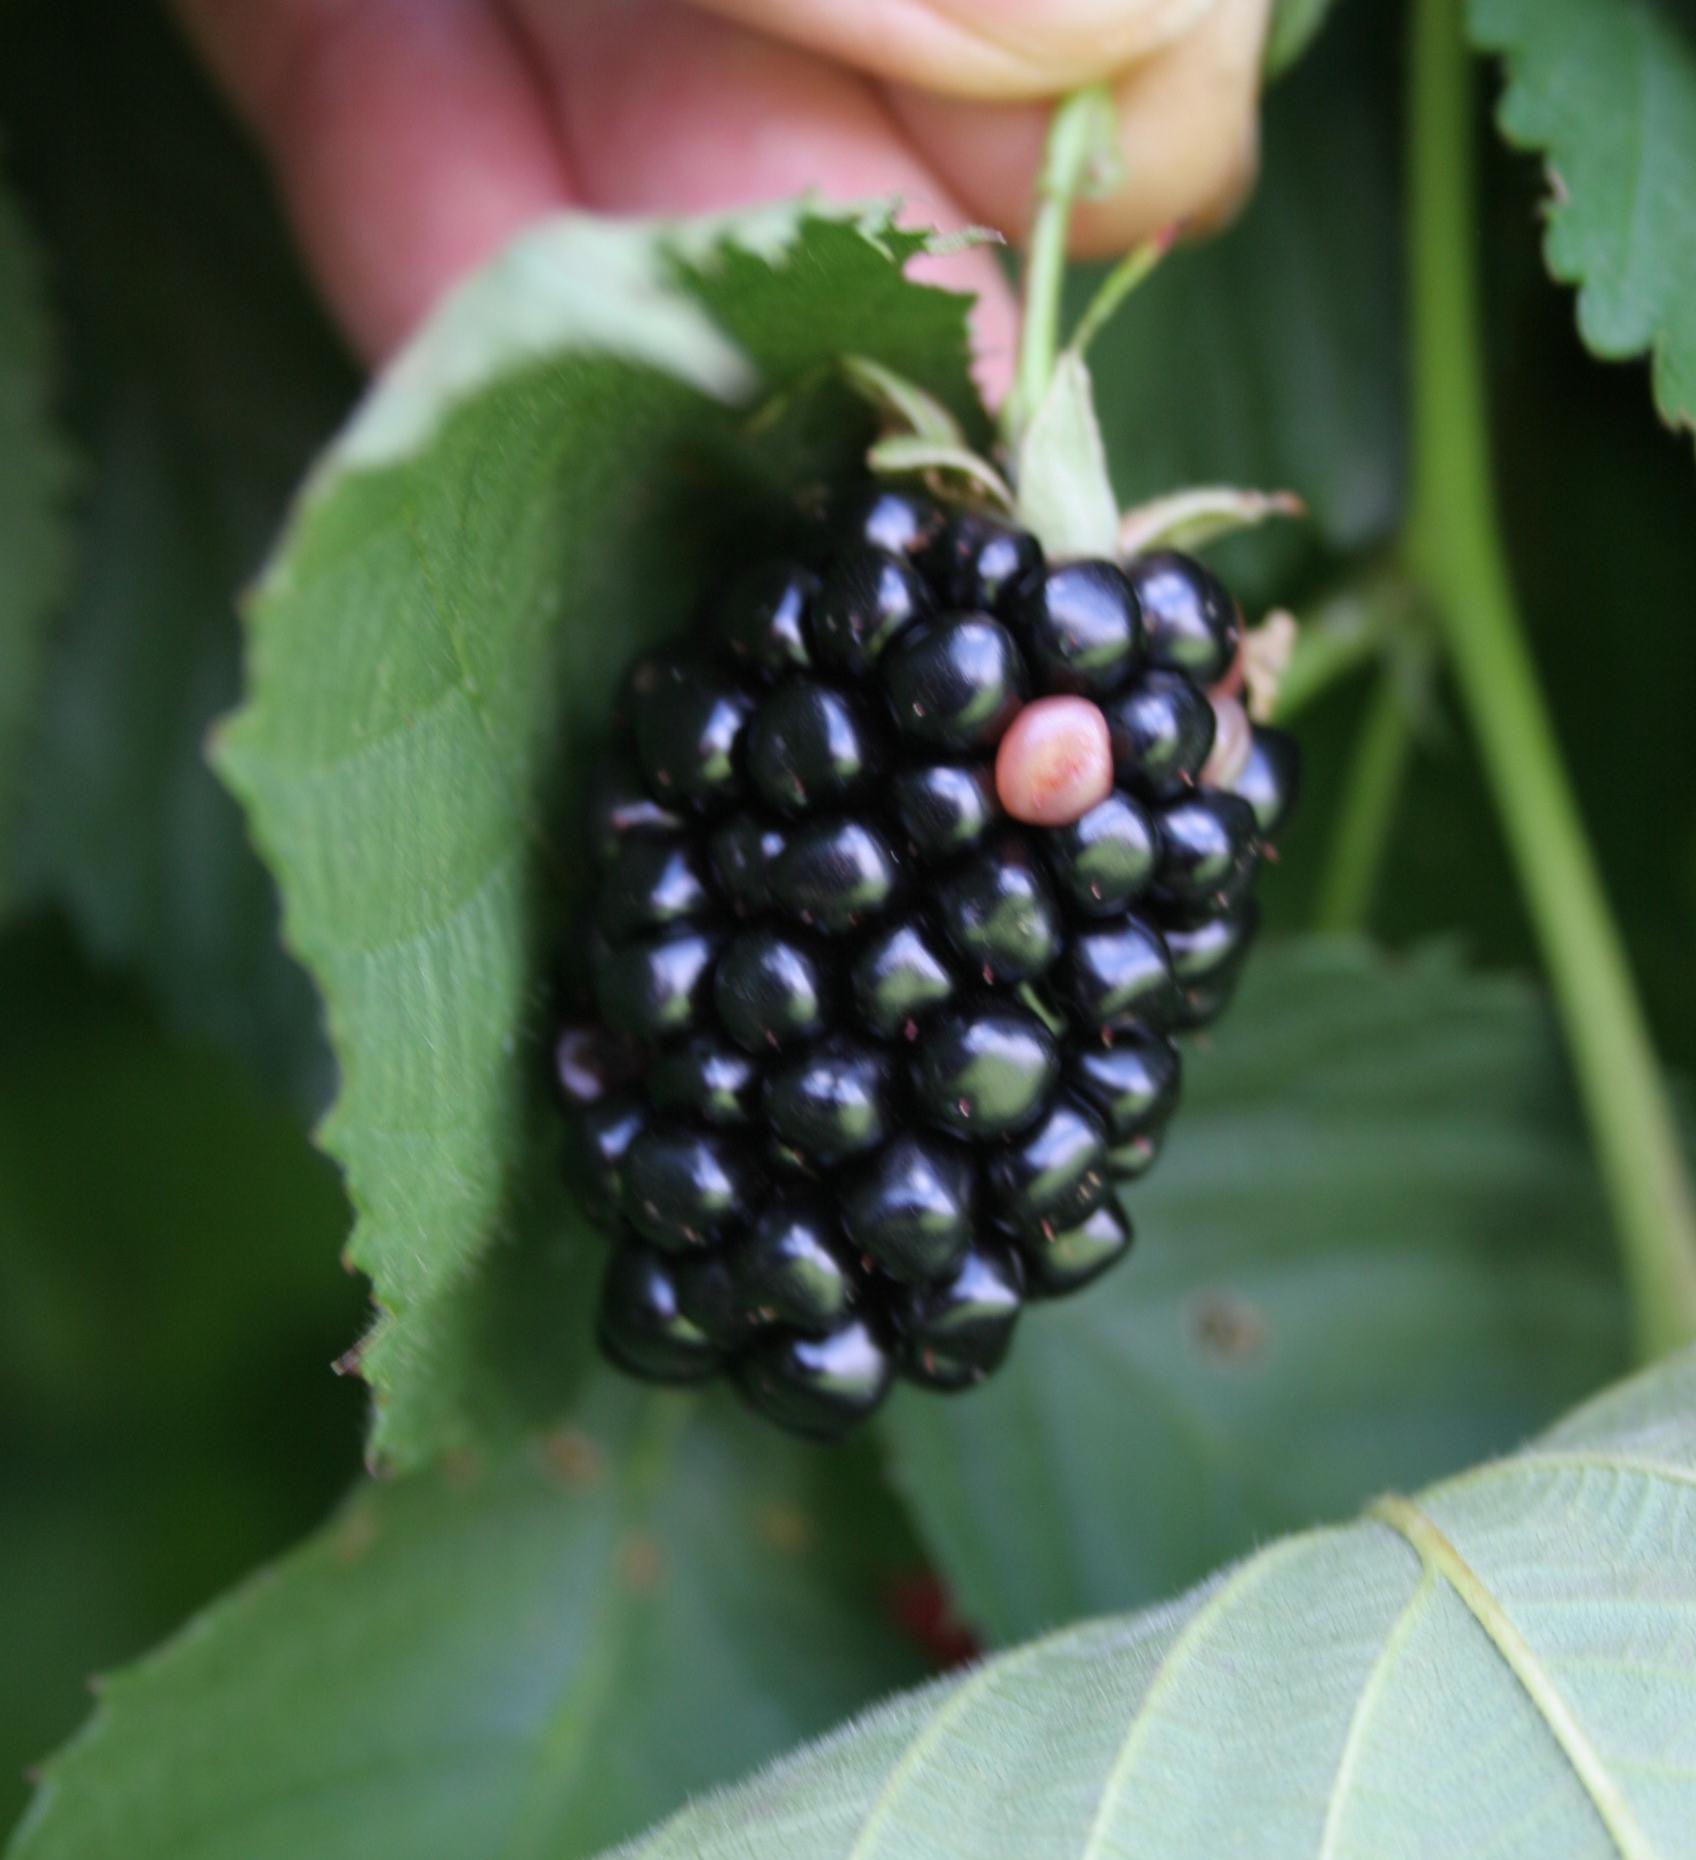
(1441, 1564)
(1441, 1558)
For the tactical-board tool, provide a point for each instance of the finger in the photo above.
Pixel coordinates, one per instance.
(407, 136)
(669, 110)
(1001, 49)
(1188, 129)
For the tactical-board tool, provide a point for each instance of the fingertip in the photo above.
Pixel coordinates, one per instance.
(989, 50)
(673, 110)
(1189, 132)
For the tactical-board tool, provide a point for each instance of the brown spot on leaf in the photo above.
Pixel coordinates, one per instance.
(571, 1456)
(787, 1529)
(1228, 1330)
(462, 1468)
(356, 1534)
(639, 1565)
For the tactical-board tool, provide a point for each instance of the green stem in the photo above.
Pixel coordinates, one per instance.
(1124, 278)
(1454, 545)
(1079, 136)
(1350, 630)
(1372, 795)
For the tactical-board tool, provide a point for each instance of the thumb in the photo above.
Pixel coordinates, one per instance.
(1189, 132)
(989, 49)
(970, 82)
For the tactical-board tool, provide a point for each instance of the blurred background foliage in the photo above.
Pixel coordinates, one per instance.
(161, 1058)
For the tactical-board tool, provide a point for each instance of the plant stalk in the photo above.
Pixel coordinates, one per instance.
(1372, 796)
(1133, 269)
(1347, 632)
(1454, 547)
(1078, 141)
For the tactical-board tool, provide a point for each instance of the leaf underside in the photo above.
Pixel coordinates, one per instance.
(549, 478)
(1606, 91)
(1505, 1665)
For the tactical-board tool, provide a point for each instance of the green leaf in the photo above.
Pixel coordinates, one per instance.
(1272, 355)
(1065, 495)
(1295, 25)
(34, 535)
(912, 411)
(1190, 519)
(1366, 1257)
(202, 377)
(545, 480)
(1505, 1665)
(1606, 90)
(527, 1657)
(903, 453)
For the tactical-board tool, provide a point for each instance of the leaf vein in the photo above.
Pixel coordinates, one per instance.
(1370, 1693)
(878, 1810)
(1247, 1578)
(1535, 1680)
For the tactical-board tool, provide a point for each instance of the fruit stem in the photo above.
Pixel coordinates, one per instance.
(1348, 631)
(1454, 546)
(1078, 155)
(1124, 278)
(1372, 793)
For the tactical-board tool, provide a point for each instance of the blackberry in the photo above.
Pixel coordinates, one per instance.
(956, 1330)
(910, 1210)
(794, 1268)
(643, 1327)
(1082, 625)
(974, 560)
(1270, 779)
(1162, 730)
(873, 1059)
(819, 1386)
(1193, 623)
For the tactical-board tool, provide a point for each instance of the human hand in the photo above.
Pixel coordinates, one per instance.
(410, 138)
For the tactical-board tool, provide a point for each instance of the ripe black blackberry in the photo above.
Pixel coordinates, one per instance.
(872, 1058)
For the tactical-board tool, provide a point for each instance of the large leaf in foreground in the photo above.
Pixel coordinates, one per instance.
(1368, 1256)
(546, 478)
(33, 483)
(528, 1657)
(1606, 90)
(1505, 1665)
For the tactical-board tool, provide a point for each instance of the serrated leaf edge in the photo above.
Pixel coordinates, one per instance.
(1515, 114)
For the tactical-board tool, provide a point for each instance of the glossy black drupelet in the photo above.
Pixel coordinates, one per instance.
(873, 1061)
